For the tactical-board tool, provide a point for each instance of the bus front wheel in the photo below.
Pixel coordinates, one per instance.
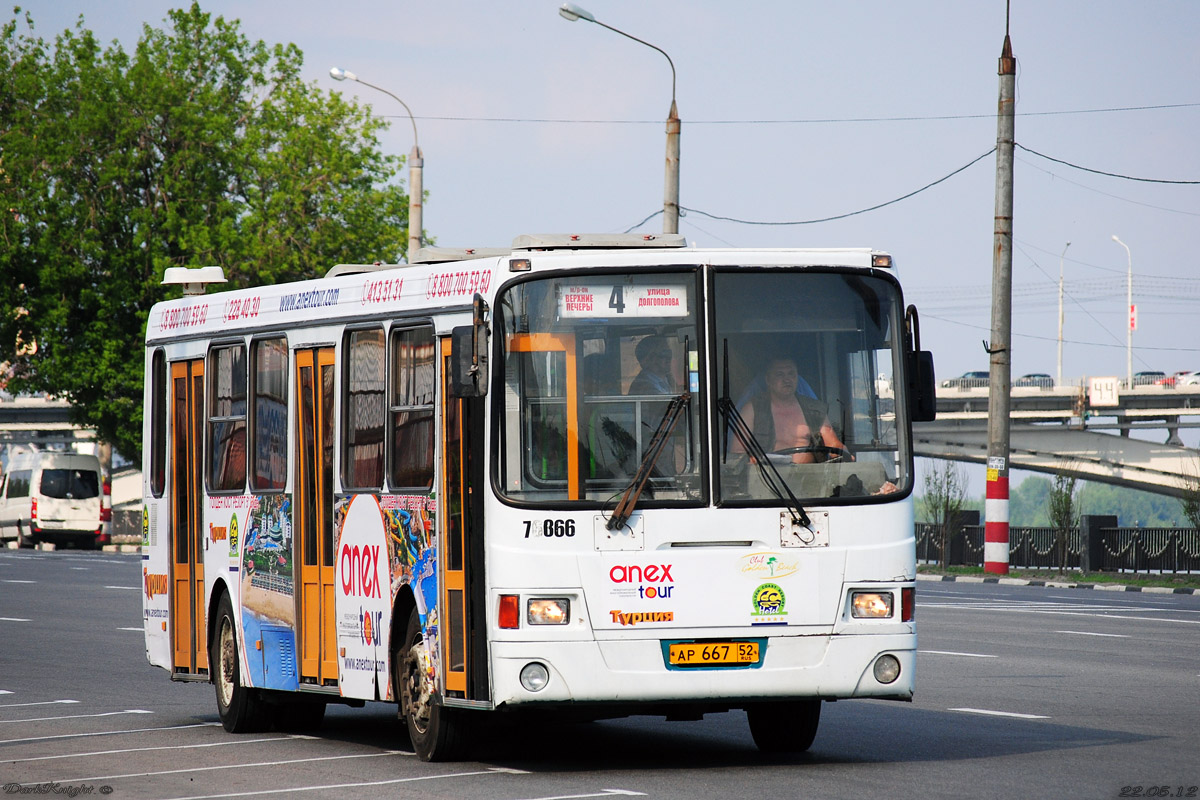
(434, 730)
(240, 708)
(784, 727)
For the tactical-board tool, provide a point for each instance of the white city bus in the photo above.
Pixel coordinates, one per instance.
(440, 485)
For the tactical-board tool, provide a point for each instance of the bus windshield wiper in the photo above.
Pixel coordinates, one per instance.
(758, 456)
(658, 441)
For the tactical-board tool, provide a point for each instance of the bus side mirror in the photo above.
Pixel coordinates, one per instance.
(469, 354)
(922, 389)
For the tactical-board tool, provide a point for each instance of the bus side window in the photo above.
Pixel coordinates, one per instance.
(364, 415)
(158, 423)
(227, 419)
(410, 408)
(268, 420)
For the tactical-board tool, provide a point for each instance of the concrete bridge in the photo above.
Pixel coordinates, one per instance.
(1095, 429)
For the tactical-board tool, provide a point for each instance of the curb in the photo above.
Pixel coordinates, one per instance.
(1052, 584)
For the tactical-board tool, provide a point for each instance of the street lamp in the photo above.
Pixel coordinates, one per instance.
(572, 13)
(1129, 322)
(415, 165)
(1058, 382)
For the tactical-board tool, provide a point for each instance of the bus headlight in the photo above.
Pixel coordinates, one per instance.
(549, 611)
(871, 605)
(534, 676)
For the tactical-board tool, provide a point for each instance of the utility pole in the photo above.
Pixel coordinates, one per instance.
(995, 536)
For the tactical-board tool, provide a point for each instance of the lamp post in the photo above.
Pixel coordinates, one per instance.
(415, 164)
(1058, 378)
(1128, 322)
(572, 13)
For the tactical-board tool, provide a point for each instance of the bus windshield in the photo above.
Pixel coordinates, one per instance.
(805, 362)
(592, 364)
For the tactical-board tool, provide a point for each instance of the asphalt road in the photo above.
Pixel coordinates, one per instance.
(1021, 692)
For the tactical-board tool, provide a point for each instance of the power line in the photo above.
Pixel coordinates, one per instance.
(801, 121)
(848, 214)
(1101, 172)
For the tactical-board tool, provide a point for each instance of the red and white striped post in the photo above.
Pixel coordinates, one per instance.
(995, 527)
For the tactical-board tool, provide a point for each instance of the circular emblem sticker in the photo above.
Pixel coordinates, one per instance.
(769, 601)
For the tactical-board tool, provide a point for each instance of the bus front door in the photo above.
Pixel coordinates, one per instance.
(189, 632)
(313, 515)
(460, 513)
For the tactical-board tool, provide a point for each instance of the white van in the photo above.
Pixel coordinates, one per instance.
(52, 497)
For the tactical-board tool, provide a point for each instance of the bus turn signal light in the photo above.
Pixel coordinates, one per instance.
(510, 611)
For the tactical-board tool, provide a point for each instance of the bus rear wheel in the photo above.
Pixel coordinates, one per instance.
(785, 727)
(241, 709)
(436, 732)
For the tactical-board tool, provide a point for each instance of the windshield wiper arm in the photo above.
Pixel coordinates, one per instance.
(658, 441)
(758, 456)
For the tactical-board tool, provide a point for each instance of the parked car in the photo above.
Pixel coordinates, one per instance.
(1150, 378)
(968, 380)
(52, 497)
(1040, 379)
(1188, 378)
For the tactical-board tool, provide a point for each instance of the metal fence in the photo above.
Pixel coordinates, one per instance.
(1093, 547)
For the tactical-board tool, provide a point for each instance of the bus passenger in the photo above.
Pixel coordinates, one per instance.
(654, 355)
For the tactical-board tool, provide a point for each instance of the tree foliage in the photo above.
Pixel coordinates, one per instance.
(1189, 503)
(945, 496)
(200, 147)
(1062, 507)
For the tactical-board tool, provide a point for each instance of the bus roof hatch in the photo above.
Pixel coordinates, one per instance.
(604, 241)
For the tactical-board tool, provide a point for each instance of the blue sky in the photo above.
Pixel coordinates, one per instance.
(796, 111)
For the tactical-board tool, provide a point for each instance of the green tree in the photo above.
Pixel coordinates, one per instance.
(1062, 507)
(201, 147)
(945, 496)
(1189, 502)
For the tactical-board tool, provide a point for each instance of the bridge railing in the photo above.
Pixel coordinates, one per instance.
(1096, 546)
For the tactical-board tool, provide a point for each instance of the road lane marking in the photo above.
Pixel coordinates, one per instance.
(999, 713)
(225, 766)
(109, 733)
(601, 793)
(13, 619)
(40, 703)
(77, 716)
(1054, 608)
(14, 580)
(124, 750)
(953, 653)
(139, 630)
(317, 788)
(1093, 633)
(126, 588)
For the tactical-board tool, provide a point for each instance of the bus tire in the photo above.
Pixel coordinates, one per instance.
(241, 709)
(436, 732)
(784, 727)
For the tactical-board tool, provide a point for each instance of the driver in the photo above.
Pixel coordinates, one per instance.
(783, 420)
